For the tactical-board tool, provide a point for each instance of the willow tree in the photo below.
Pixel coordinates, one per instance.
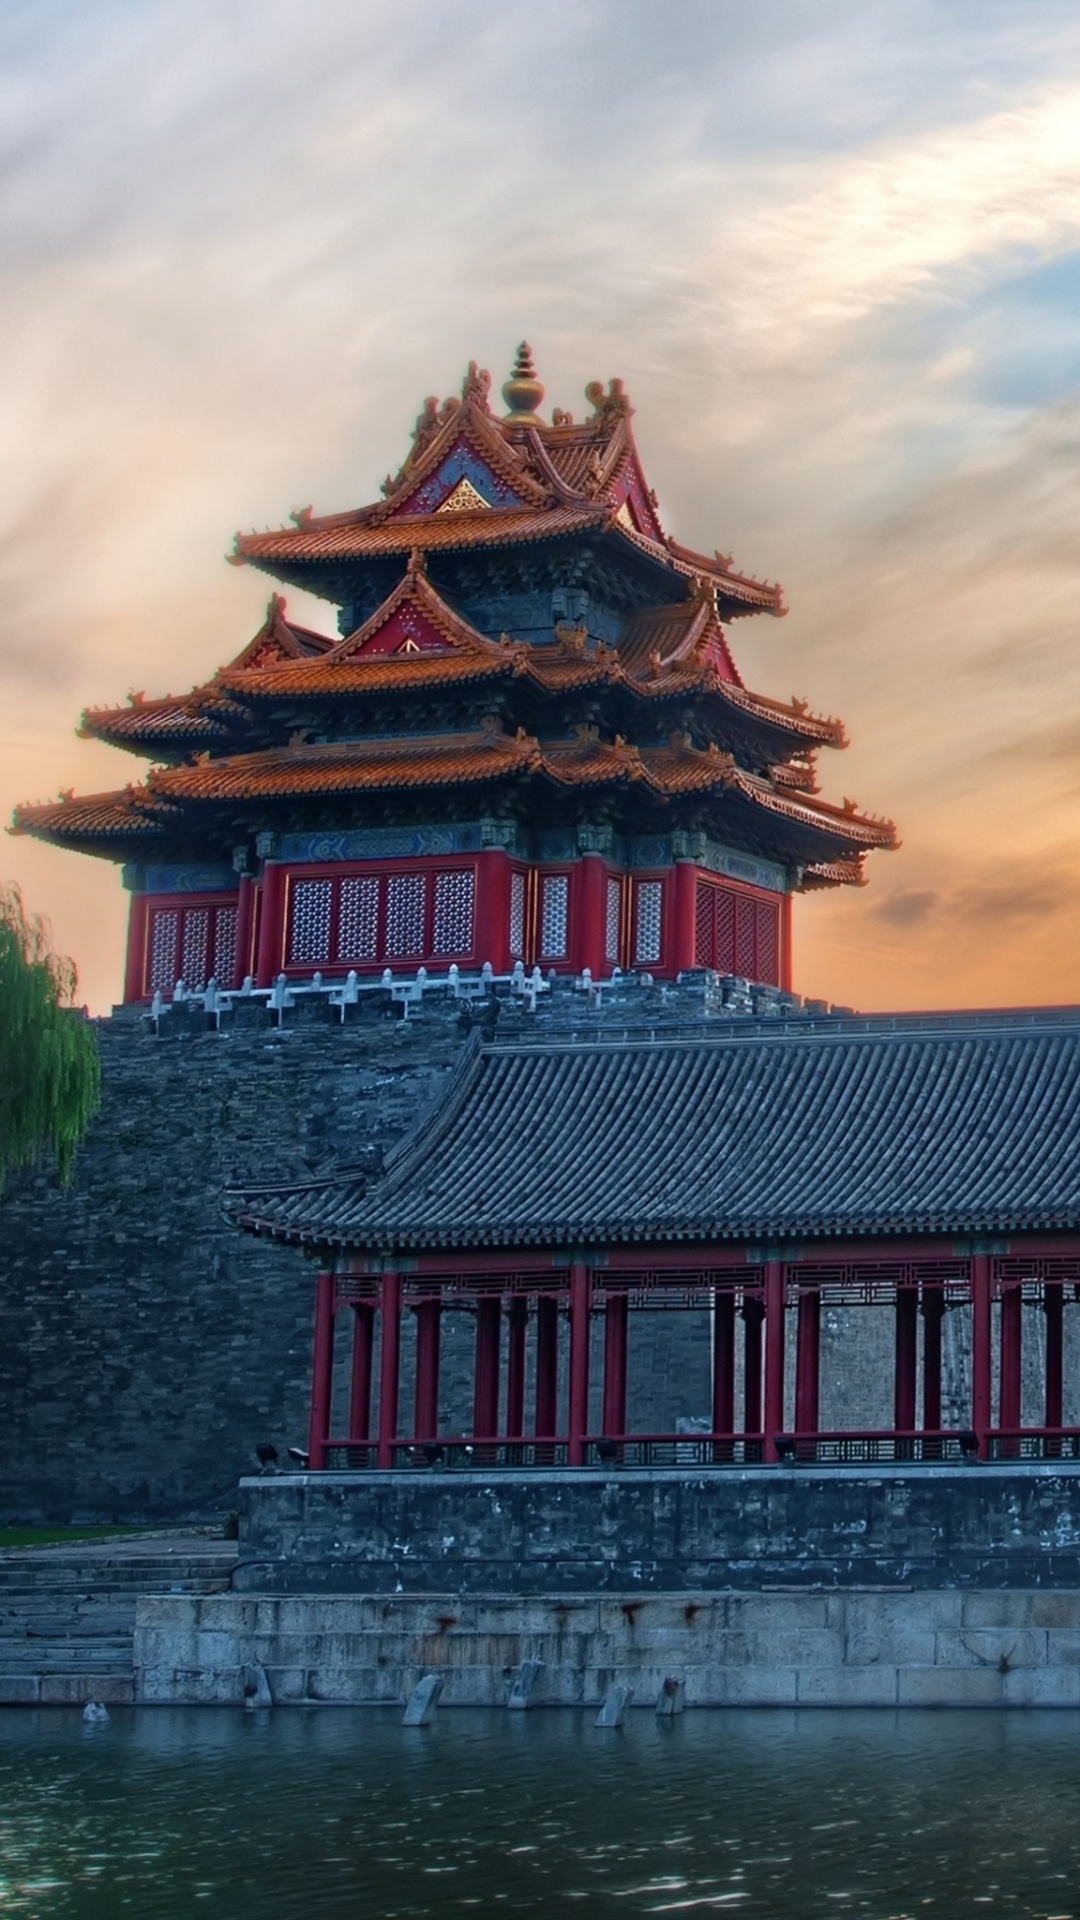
(49, 1070)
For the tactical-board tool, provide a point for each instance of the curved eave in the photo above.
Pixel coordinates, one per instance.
(470, 1235)
(107, 824)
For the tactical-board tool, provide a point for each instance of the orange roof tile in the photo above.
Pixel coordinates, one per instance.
(93, 816)
(155, 722)
(349, 767)
(426, 532)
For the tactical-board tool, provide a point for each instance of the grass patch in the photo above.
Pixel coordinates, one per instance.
(57, 1536)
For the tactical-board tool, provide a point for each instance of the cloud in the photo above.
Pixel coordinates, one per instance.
(240, 244)
(907, 908)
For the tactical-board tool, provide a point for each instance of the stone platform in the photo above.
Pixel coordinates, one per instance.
(664, 1530)
(872, 1587)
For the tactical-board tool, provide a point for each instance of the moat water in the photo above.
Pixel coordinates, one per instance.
(342, 1815)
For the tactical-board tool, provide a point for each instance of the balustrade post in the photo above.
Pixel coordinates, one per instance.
(360, 1380)
(322, 1372)
(775, 1304)
(578, 1425)
(428, 1329)
(389, 1366)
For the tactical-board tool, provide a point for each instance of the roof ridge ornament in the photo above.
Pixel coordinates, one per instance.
(523, 392)
(609, 407)
(476, 387)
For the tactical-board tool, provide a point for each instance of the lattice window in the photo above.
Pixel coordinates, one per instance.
(358, 919)
(724, 947)
(453, 913)
(405, 915)
(554, 915)
(309, 938)
(517, 916)
(196, 948)
(704, 925)
(768, 943)
(224, 945)
(164, 947)
(650, 907)
(745, 943)
(612, 917)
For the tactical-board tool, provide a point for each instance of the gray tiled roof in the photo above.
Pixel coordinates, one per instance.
(752, 1130)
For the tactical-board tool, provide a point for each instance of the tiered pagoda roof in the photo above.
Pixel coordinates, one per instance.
(620, 691)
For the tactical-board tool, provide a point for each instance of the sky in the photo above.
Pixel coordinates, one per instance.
(832, 249)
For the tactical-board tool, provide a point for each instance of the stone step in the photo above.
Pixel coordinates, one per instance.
(67, 1614)
(65, 1656)
(94, 1576)
(114, 1626)
(66, 1689)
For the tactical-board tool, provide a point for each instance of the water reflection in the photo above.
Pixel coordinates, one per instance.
(327, 1814)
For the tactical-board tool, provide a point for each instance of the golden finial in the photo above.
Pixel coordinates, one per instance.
(523, 392)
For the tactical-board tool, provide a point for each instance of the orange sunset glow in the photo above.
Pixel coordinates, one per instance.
(832, 252)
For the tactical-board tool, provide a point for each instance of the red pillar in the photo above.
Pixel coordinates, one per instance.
(1012, 1333)
(933, 1312)
(787, 967)
(1053, 1307)
(486, 1379)
(360, 1382)
(753, 1322)
(243, 960)
(426, 1417)
(616, 1330)
(135, 965)
(681, 942)
(774, 1355)
(578, 1425)
(588, 914)
(322, 1372)
(271, 955)
(517, 1327)
(389, 1366)
(546, 1423)
(808, 1361)
(981, 1348)
(492, 938)
(906, 1358)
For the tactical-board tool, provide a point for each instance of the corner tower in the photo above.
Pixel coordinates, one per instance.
(530, 743)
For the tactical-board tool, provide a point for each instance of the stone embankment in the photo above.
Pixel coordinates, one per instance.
(67, 1613)
(856, 1647)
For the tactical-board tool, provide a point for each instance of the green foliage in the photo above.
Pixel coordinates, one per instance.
(50, 1075)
